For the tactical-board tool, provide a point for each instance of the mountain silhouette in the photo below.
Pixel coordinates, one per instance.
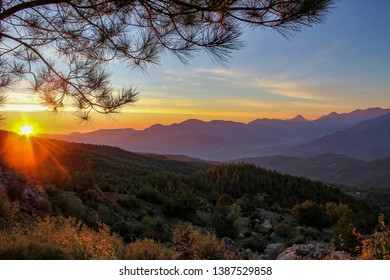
(227, 140)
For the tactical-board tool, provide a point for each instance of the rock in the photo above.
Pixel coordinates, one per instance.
(31, 197)
(304, 252)
(341, 255)
(233, 248)
(266, 224)
(272, 248)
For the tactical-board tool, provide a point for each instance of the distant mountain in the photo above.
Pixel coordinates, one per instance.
(215, 140)
(331, 168)
(367, 140)
(227, 140)
(298, 118)
(310, 130)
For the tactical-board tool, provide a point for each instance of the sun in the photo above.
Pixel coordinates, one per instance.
(26, 130)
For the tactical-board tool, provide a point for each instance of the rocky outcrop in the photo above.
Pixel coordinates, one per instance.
(305, 252)
(31, 197)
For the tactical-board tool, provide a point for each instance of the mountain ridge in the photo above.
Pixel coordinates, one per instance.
(220, 140)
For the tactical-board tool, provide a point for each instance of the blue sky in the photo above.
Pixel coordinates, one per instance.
(340, 65)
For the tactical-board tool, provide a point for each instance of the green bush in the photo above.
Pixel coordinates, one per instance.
(344, 234)
(129, 202)
(106, 215)
(151, 194)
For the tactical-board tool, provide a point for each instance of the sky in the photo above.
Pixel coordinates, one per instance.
(340, 65)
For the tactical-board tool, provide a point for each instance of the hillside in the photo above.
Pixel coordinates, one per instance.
(157, 201)
(331, 168)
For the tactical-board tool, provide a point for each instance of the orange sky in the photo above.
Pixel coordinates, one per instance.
(65, 122)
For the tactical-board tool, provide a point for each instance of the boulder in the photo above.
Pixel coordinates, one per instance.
(305, 252)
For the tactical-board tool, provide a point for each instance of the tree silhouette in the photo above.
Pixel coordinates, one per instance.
(63, 48)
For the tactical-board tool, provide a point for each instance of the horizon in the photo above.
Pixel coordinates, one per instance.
(220, 120)
(337, 66)
(88, 127)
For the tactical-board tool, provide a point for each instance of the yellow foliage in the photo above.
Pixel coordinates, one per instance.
(147, 249)
(197, 244)
(377, 247)
(73, 237)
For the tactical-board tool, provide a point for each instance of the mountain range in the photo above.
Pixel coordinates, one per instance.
(361, 134)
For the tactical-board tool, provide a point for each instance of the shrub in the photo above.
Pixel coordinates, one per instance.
(282, 230)
(106, 215)
(309, 213)
(7, 207)
(335, 211)
(196, 244)
(223, 221)
(148, 193)
(72, 237)
(345, 236)
(129, 202)
(181, 205)
(224, 200)
(68, 204)
(256, 243)
(32, 251)
(147, 249)
(377, 247)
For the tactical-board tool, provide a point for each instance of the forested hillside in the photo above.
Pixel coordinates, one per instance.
(116, 204)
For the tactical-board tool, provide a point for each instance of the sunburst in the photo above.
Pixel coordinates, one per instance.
(26, 130)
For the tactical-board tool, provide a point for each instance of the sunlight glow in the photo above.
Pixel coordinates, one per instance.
(26, 130)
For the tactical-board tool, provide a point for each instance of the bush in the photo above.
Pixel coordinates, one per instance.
(107, 215)
(256, 243)
(223, 221)
(345, 236)
(309, 213)
(129, 202)
(335, 211)
(377, 247)
(69, 205)
(32, 251)
(181, 205)
(282, 230)
(224, 200)
(193, 243)
(147, 249)
(148, 193)
(7, 207)
(71, 236)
